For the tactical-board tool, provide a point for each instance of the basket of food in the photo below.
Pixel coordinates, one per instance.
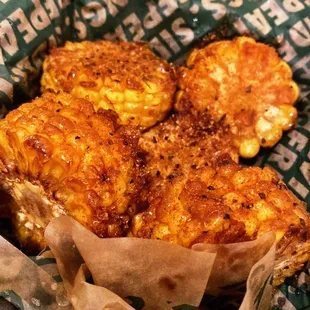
(154, 155)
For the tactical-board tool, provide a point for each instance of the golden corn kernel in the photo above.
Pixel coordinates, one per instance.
(160, 231)
(251, 227)
(249, 148)
(132, 107)
(264, 211)
(279, 235)
(157, 99)
(287, 116)
(105, 104)
(296, 90)
(115, 96)
(284, 68)
(268, 133)
(151, 88)
(133, 96)
(242, 40)
(190, 60)
(178, 97)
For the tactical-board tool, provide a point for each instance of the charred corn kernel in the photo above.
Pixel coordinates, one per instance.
(112, 74)
(244, 80)
(160, 231)
(249, 148)
(72, 161)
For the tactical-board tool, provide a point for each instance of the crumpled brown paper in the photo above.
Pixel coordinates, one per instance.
(164, 275)
(234, 261)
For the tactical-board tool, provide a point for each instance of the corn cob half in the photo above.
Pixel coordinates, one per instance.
(58, 156)
(225, 203)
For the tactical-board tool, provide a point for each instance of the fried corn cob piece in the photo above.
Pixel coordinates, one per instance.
(58, 156)
(226, 203)
(125, 77)
(247, 83)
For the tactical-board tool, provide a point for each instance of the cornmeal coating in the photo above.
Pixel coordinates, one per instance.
(226, 203)
(59, 156)
(246, 83)
(126, 77)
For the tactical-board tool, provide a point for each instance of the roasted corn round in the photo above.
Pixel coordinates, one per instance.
(244, 82)
(126, 77)
(58, 156)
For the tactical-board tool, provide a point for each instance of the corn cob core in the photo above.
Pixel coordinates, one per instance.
(247, 83)
(58, 156)
(226, 203)
(125, 77)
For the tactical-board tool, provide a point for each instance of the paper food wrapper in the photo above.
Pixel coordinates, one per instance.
(28, 29)
(104, 273)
